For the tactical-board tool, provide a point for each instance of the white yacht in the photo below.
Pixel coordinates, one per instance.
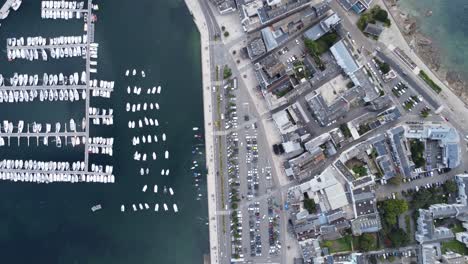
(165, 207)
(175, 208)
(96, 207)
(144, 188)
(166, 154)
(155, 189)
(122, 208)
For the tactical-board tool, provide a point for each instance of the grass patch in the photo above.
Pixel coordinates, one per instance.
(339, 245)
(455, 246)
(430, 82)
(360, 171)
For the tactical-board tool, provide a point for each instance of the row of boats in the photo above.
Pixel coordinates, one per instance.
(55, 53)
(55, 177)
(147, 122)
(43, 166)
(53, 80)
(73, 5)
(18, 96)
(145, 206)
(138, 107)
(155, 189)
(137, 90)
(145, 139)
(8, 127)
(143, 156)
(60, 14)
(42, 41)
(134, 72)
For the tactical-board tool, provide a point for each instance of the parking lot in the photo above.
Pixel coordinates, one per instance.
(254, 228)
(406, 95)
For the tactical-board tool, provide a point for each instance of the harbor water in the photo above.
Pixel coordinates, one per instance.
(54, 223)
(446, 24)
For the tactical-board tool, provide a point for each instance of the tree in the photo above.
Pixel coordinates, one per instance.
(226, 34)
(227, 73)
(398, 237)
(396, 180)
(384, 67)
(367, 242)
(392, 208)
(309, 205)
(360, 170)
(381, 15)
(450, 187)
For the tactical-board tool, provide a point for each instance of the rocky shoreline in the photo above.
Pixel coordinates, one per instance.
(427, 50)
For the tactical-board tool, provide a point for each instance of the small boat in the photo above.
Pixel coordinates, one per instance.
(155, 188)
(134, 72)
(159, 90)
(134, 207)
(122, 208)
(156, 207)
(175, 208)
(141, 206)
(127, 72)
(96, 208)
(164, 136)
(143, 74)
(171, 191)
(166, 154)
(146, 206)
(165, 207)
(195, 128)
(144, 188)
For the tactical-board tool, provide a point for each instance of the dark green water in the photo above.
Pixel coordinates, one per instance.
(447, 27)
(53, 223)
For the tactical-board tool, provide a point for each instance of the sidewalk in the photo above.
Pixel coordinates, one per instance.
(200, 20)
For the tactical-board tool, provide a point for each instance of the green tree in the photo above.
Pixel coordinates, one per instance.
(360, 170)
(309, 205)
(384, 67)
(227, 73)
(398, 237)
(450, 187)
(367, 242)
(397, 180)
(392, 208)
(381, 15)
(226, 34)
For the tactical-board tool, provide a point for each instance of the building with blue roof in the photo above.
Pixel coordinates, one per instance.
(357, 6)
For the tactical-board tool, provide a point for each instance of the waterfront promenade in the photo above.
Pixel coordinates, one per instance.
(200, 21)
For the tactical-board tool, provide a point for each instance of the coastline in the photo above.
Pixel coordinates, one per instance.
(200, 21)
(427, 50)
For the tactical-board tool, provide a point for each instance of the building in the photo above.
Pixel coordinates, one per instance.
(439, 136)
(357, 6)
(225, 6)
(324, 113)
(373, 29)
(323, 27)
(285, 120)
(427, 232)
(345, 60)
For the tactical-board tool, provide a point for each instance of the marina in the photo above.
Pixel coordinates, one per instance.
(24, 88)
(62, 210)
